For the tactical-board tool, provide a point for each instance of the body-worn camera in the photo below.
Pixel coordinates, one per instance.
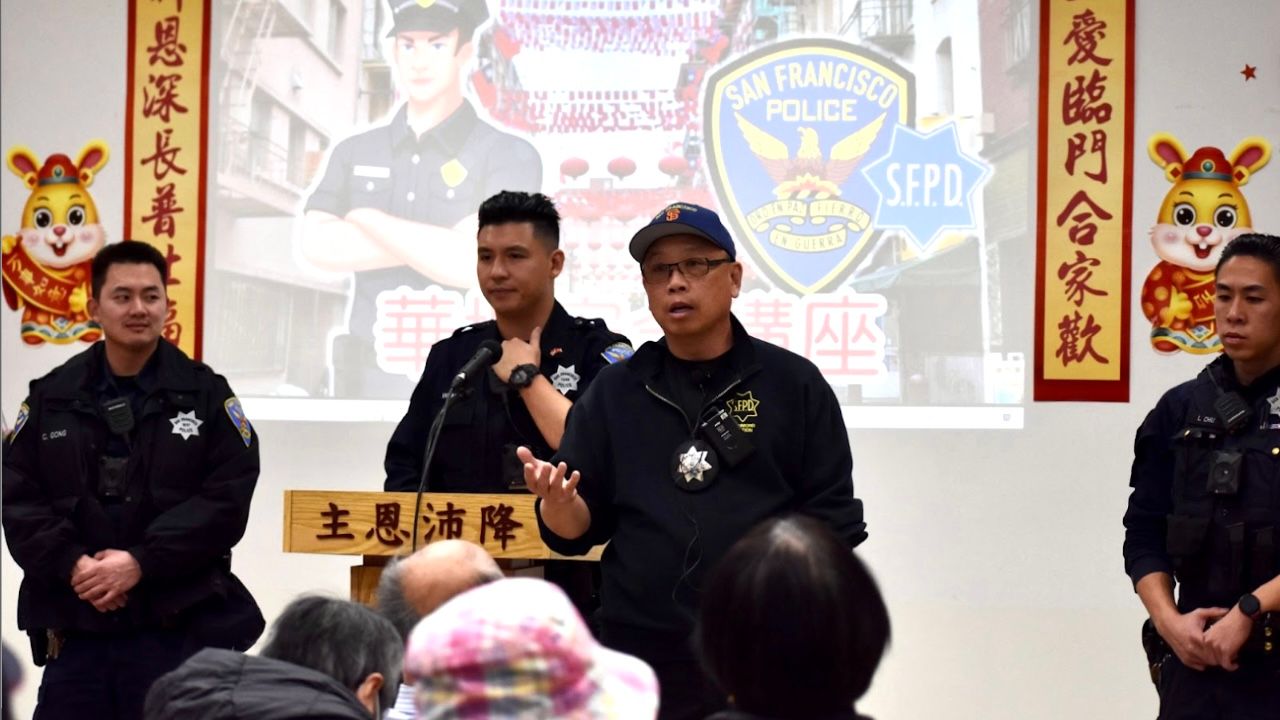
(1224, 472)
(112, 472)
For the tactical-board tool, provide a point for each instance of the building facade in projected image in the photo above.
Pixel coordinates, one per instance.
(872, 157)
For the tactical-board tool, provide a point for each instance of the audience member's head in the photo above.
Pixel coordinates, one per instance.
(518, 648)
(346, 641)
(412, 587)
(792, 623)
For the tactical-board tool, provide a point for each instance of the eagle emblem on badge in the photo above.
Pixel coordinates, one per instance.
(809, 173)
(788, 127)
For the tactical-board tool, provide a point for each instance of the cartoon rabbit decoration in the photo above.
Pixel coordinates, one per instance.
(47, 263)
(1203, 211)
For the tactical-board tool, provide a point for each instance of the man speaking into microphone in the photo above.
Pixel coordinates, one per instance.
(547, 359)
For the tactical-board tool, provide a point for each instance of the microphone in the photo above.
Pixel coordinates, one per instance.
(488, 353)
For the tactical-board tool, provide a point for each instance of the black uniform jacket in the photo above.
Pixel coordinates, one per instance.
(191, 473)
(483, 426)
(663, 541)
(1218, 546)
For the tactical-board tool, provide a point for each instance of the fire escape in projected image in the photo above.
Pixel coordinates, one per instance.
(256, 175)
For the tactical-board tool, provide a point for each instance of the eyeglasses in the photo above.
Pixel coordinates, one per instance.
(655, 273)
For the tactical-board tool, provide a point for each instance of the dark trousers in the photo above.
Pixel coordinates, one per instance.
(106, 677)
(1250, 693)
(580, 580)
(687, 692)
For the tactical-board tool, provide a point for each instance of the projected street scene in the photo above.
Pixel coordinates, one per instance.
(872, 159)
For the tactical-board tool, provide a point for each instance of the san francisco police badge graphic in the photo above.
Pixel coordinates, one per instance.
(787, 126)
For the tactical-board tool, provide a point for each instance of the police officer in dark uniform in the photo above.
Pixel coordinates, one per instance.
(1205, 509)
(395, 204)
(127, 481)
(548, 359)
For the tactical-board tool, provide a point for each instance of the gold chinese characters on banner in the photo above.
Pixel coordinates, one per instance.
(1084, 200)
(166, 149)
(333, 522)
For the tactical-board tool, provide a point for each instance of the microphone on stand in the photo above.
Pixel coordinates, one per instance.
(487, 354)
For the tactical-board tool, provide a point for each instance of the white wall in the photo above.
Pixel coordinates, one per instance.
(998, 552)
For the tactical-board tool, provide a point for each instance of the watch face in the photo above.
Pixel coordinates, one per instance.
(1249, 605)
(523, 375)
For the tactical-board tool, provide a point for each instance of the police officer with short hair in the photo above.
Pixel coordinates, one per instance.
(127, 481)
(1204, 514)
(396, 203)
(548, 360)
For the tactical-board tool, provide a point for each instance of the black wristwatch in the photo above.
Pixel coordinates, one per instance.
(522, 376)
(1250, 606)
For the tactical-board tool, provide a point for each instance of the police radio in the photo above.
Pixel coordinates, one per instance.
(1233, 411)
(119, 415)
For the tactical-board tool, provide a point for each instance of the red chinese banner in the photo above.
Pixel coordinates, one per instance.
(166, 149)
(1084, 200)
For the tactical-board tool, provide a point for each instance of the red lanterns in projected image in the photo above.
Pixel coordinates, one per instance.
(506, 45)
(573, 167)
(673, 165)
(621, 167)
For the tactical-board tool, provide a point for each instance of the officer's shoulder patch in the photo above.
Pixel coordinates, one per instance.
(236, 412)
(617, 352)
(24, 412)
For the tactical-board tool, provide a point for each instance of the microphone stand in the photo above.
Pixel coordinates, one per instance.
(432, 437)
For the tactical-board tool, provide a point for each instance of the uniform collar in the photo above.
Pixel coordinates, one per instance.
(145, 379)
(558, 325)
(168, 368)
(556, 328)
(650, 359)
(1225, 371)
(450, 134)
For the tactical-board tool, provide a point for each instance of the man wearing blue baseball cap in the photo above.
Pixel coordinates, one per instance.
(675, 454)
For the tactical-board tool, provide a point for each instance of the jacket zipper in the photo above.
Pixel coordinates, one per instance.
(693, 428)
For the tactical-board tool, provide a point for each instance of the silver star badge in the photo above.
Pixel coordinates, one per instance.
(1274, 402)
(186, 424)
(566, 379)
(693, 462)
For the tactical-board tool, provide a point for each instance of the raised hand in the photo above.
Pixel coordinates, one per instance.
(548, 481)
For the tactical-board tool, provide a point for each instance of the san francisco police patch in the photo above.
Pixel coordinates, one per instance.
(24, 412)
(617, 352)
(239, 419)
(786, 127)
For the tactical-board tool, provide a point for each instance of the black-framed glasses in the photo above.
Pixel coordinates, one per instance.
(655, 273)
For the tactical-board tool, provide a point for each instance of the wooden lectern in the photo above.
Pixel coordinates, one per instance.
(379, 525)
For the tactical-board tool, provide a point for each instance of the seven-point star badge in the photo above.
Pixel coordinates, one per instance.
(186, 424)
(566, 379)
(693, 462)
